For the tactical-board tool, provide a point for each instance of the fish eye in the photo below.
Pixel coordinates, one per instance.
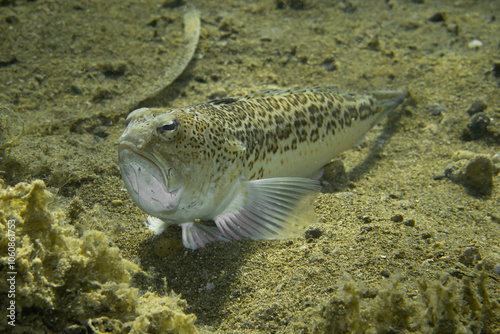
(168, 127)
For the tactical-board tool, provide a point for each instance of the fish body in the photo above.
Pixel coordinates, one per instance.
(246, 163)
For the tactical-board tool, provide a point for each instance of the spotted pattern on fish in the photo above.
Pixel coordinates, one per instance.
(207, 158)
(275, 122)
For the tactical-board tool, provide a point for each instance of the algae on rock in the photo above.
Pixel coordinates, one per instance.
(64, 281)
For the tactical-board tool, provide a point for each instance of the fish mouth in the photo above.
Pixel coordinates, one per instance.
(146, 182)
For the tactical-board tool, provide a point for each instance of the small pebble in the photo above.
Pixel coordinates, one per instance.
(329, 64)
(475, 44)
(409, 222)
(477, 106)
(76, 89)
(477, 174)
(334, 176)
(497, 269)
(438, 17)
(313, 233)
(366, 219)
(395, 195)
(386, 273)
(426, 235)
(477, 127)
(400, 255)
(397, 218)
(117, 202)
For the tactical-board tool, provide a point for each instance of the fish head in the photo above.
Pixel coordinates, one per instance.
(167, 162)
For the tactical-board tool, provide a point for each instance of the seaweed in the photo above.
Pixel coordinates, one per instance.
(65, 283)
(444, 305)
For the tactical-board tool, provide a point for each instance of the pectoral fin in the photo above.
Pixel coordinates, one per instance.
(273, 208)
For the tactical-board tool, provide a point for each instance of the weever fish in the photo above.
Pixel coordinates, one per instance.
(249, 163)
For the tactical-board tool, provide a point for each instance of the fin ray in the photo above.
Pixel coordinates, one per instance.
(196, 235)
(275, 208)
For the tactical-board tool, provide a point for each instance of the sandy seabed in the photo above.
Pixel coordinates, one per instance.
(406, 238)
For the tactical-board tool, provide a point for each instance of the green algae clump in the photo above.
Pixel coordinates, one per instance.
(445, 305)
(67, 283)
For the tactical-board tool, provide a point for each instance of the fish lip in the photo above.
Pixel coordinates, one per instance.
(146, 156)
(157, 201)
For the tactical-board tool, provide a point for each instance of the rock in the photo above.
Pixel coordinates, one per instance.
(497, 269)
(409, 222)
(366, 219)
(477, 106)
(475, 44)
(386, 273)
(397, 218)
(477, 174)
(329, 64)
(313, 233)
(438, 17)
(426, 236)
(334, 176)
(477, 127)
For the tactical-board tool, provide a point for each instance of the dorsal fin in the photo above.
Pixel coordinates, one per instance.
(278, 92)
(226, 100)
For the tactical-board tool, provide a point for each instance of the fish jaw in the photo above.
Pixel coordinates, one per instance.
(147, 183)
